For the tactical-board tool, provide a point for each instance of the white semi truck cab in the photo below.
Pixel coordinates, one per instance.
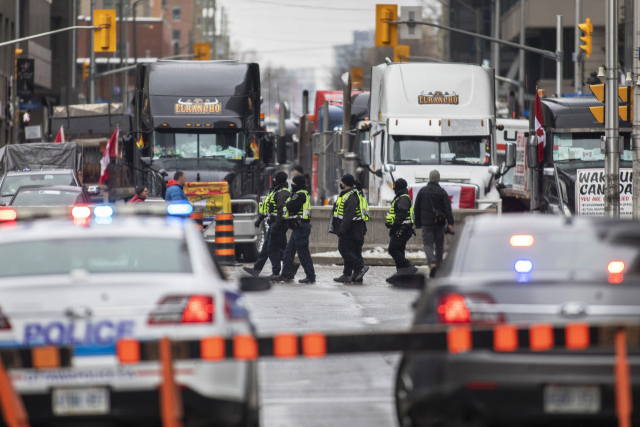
(432, 116)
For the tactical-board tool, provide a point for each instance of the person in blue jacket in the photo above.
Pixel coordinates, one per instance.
(174, 188)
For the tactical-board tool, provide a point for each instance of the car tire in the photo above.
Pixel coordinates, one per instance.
(403, 392)
(251, 251)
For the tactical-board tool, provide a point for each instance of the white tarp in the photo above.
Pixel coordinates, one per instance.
(590, 192)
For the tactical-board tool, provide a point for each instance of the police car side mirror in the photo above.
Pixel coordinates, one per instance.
(409, 281)
(254, 284)
(510, 154)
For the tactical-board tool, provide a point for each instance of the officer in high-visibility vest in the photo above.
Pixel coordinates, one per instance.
(348, 223)
(400, 224)
(297, 213)
(275, 239)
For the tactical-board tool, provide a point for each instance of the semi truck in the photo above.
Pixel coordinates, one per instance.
(569, 179)
(203, 118)
(432, 116)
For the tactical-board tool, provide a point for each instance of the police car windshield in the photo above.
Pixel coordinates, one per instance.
(584, 149)
(581, 249)
(44, 197)
(94, 255)
(436, 150)
(13, 182)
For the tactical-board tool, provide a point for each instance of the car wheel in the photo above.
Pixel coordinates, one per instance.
(251, 251)
(403, 394)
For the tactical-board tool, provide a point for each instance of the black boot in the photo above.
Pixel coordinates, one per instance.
(343, 279)
(359, 275)
(251, 271)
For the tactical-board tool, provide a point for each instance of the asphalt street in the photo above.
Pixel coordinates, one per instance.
(349, 391)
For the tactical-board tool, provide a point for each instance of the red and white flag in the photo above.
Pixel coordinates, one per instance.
(461, 197)
(60, 135)
(539, 129)
(111, 150)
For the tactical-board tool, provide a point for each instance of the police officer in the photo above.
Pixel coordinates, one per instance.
(297, 213)
(400, 224)
(432, 213)
(349, 225)
(276, 239)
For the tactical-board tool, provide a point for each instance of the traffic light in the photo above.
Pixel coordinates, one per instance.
(386, 34)
(587, 29)
(626, 95)
(598, 112)
(85, 71)
(104, 38)
(202, 51)
(401, 53)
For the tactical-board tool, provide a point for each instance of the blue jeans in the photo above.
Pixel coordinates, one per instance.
(299, 242)
(351, 251)
(264, 255)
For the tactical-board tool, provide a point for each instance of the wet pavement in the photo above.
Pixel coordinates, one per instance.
(349, 391)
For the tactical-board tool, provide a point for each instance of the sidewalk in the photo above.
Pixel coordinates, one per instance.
(377, 256)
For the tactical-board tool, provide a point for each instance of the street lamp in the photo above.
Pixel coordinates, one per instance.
(135, 39)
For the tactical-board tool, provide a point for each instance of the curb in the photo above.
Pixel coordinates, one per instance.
(324, 260)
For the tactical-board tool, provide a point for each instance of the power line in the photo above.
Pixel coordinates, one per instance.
(308, 6)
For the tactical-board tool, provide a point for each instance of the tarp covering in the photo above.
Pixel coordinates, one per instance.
(41, 155)
(84, 110)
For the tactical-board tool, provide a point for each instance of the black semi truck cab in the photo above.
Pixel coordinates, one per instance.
(573, 149)
(203, 118)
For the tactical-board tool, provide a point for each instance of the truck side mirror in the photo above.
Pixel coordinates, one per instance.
(532, 152)
(281, 150)
(94, 190)
(365, 153)
(510, 155)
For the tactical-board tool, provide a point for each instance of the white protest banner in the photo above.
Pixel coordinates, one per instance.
(590, 192)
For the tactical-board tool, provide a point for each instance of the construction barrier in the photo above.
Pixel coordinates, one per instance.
(571, 338)
(224, 240)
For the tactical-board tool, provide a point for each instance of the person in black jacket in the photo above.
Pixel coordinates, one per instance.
(299, 220)
(400, 227)
(278, 237)
(350, 227)
(432, 212)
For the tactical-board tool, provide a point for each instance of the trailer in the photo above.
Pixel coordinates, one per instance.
(569, 178)
(203, 118)
(427, 116)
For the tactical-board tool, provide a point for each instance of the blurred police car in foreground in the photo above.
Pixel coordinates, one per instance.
(523, 270)
(90, 280)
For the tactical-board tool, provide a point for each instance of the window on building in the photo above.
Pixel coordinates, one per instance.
(176, 36)
(107, 4)
(164, 4)
(176, 13)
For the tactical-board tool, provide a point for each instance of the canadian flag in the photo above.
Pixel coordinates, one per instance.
(60, 135)
(462, 197)
(539, 129)
(111, 150)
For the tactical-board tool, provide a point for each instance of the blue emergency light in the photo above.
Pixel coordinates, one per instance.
(179, 209)
(523, 266)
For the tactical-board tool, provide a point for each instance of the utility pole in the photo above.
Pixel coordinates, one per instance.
(74, 47)
(478, 41)
(521, 53)
(92, 62)
(192, 36)
(124, 90)
(121, 49)
(14, 93)
(496, 34)
(635, 140)
(214, 38)
(560, 56)
(346, 111)
(612, 134)
(577, 52)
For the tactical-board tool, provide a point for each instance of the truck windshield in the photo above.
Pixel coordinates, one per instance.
(437, 150)
(230, 146)
(584, 147)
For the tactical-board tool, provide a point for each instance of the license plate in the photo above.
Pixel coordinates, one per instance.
(560, 399)
(80, 401)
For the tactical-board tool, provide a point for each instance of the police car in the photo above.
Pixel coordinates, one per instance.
(91, 280)
(524, 270)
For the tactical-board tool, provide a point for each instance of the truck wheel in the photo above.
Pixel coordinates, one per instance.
(252, 250)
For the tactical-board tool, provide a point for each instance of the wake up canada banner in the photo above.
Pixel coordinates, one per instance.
(590, 192)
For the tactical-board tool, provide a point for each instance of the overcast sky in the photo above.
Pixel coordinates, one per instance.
(298, 33)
